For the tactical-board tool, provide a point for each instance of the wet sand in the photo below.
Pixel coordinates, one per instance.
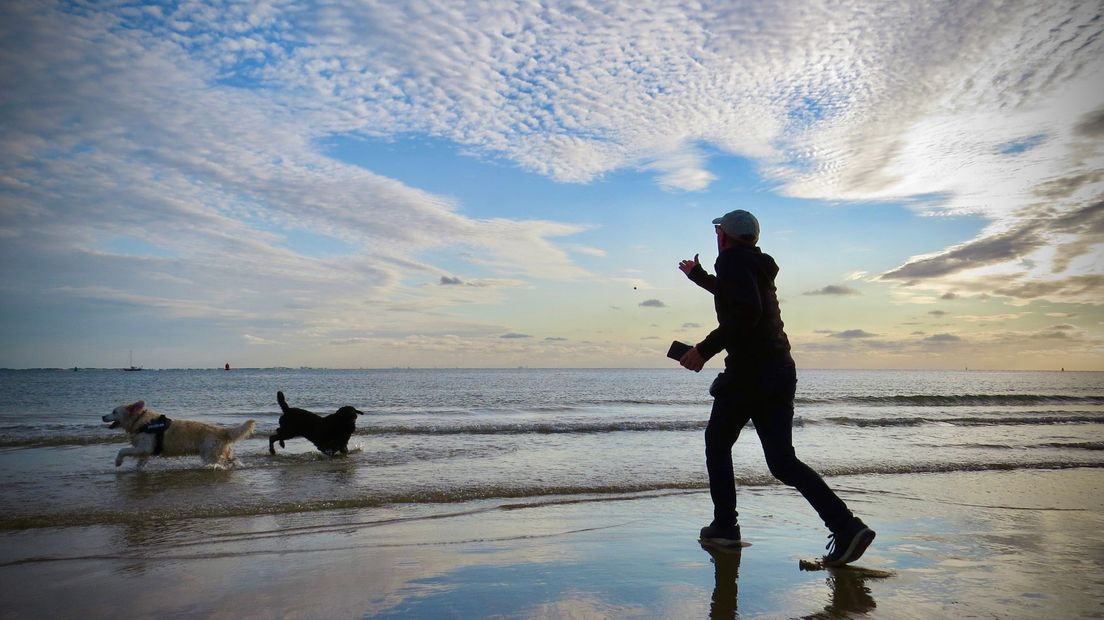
(1009, 544)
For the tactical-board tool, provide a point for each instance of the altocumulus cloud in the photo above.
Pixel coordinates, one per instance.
(905, 110)
(159, 151)
(652, 303)
(194, 128)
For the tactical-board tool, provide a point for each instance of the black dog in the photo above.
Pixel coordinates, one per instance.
(329, 434)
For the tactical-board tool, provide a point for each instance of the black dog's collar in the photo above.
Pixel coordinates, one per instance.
(157, 428)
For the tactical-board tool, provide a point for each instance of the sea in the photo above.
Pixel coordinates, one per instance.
(444, 437)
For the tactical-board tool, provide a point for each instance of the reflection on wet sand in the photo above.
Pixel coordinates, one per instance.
(847, 588)
(849, 595)
(726, 569)
(631, 557)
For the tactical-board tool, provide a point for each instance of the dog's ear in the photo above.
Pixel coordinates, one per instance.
(136, 407)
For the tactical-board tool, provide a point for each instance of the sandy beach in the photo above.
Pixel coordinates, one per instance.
(1017, 544)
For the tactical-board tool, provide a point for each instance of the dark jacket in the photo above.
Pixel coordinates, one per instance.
(750, 322)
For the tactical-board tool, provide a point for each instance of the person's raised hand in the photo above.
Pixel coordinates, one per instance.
(687, 266)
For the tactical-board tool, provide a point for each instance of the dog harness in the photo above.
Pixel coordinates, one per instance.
(157, 428)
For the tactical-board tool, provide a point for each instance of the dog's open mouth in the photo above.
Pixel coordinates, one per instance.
(114, 424)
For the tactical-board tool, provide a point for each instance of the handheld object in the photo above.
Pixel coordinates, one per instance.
(678, 349)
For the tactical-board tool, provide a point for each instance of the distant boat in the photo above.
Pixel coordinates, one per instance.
(132, 366)
(227, 367)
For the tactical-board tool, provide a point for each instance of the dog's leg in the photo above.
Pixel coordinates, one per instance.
(213, 454)
(272, 439)
(138, 453)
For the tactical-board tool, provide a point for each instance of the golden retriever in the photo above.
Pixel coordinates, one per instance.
(151, 433)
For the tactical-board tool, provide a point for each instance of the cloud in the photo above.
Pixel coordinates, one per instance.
(1051, 335)
(1061, 237)
(852, 334)
(163, 140)
(354, 341)
(200, 129)
(1091, 125)
(992, 318)
(1000, 248)
(513, 336)
(587, 250)
(833, 289)
(1074, 288)
(942, 339)
(578, 92)
(556, 339)
(691, 326)
(937, 313)
(652, 303)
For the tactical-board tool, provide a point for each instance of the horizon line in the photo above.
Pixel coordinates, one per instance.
(221, 369)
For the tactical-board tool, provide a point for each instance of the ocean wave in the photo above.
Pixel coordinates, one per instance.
(61, 437)
(911, 400)
(957, 400)
(1079, 445)
(59, 440)
(247, 507)
(552, 428)
(1047, 419)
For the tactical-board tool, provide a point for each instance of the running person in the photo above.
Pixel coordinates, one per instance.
(758, 384)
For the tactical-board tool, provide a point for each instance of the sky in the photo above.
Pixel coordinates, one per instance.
(361, 184)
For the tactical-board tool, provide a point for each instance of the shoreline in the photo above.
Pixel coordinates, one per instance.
(993, 543)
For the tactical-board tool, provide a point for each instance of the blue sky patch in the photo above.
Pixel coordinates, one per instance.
(133, 246)
(316, 245)
(1022, 145)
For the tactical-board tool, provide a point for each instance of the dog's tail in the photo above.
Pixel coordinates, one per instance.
(240, 431)
(283, 403)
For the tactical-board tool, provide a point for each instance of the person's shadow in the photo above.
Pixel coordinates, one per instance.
(726, 570)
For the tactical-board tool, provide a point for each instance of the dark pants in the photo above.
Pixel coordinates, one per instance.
(764, 396)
